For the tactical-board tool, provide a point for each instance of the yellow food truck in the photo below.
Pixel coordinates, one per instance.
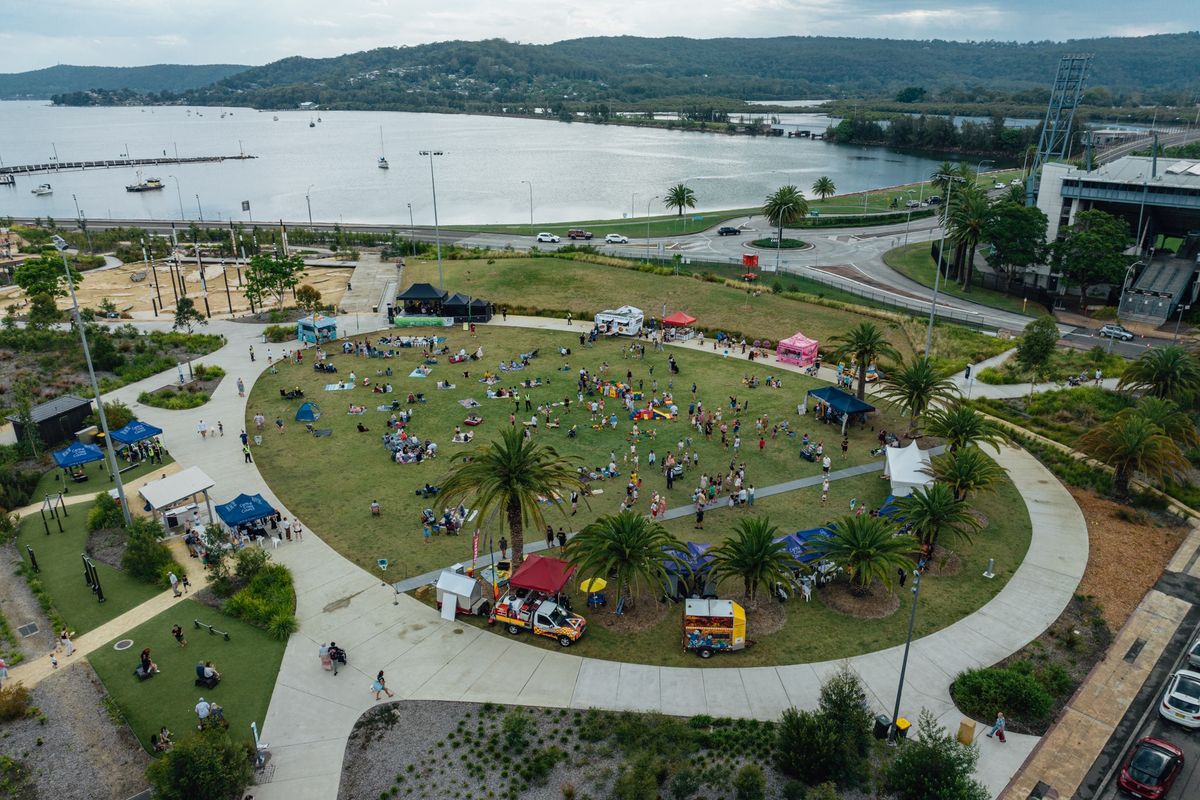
(711, 626)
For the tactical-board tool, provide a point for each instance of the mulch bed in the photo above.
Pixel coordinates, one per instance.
(769, 617)
(106, 545)
(944, 564)
(878, 604)
(643, 615)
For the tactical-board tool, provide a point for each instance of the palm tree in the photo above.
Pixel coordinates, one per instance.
(933, 510)
(962, 426)
(679, 197)
(914, 386)
(864, 343)
(784, 206)
(511, 475)
(868, 549)
(1174, 421)
(1131, 443)
(1171, 373)
(941, 177)
(627, 547)
(966, 471)
(823, 187)
(754, 555)
(968, 217)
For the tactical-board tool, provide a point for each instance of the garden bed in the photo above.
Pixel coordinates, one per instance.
(773, 244)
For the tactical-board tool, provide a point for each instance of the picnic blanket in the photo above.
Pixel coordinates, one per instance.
(319, 432)
(338, 387)
(470, 402)
(417, 373)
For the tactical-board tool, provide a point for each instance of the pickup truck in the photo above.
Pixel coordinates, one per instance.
(578, 233)
(541, 616)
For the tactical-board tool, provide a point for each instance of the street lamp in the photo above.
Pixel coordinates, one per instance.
(1125, 287)
(308, 202)
(179, 194)
(1182, 308)
(912, 618)
(412, 231)
(437, 233)
(908, 221)
(937, 271)
(648, 202)
(199, 210)
(632, 200)
(530, 185)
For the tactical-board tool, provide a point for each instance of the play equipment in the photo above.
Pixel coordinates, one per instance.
(711, 626)
(655, 412)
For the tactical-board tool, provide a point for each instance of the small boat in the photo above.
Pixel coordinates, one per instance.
(42, 189)
(222, 115)
(148, 185)
(312, 124)
(318, 119)
(382, 163)
(275, 118)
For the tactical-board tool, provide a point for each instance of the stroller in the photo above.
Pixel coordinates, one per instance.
(336, 656)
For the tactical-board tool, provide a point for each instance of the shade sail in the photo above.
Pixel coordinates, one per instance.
(167, 491)
(840, 401)
(679, 320)
(542, 574)
(75, 454)
(244, 508)
(135, 431)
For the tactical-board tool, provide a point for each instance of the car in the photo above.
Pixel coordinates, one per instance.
(999, 185)
(934, 199)
(547, 237)
(1015, 182)
(1181, 700)
(1151, 769)
(1115, 331)
(1194, 654)
(728, 230)
(616, 238)
(912, 204)
(578, 233)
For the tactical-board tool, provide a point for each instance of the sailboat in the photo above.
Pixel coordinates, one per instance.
(382, 163)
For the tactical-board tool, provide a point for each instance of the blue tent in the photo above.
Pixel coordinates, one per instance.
(244, 508)
(308, 412)
(803, 544)
(889, 507)
(75, 454)
(840, 401)
(135, 431)
(694, 555)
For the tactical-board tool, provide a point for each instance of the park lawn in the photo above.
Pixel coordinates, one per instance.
(329, 482)
(248, 664)
(97, 472)
(58, 556)
(913, 261)
(584, 288)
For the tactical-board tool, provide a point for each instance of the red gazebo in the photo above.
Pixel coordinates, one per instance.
(679, 320)
(542, 574)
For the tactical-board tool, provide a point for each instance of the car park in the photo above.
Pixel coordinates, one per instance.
(1151, 769)
(728, 230)
(1115, 331)
(578, 233)
(547, 237)
(616, 238)
(1181, 699)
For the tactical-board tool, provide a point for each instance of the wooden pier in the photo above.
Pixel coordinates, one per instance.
(111, 163)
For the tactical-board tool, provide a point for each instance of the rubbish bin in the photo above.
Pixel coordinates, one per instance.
(902, 726)
(966, 731)
(882, 723)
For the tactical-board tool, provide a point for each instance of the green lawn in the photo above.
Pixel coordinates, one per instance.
(248, 664)
(914, 262)
(58, 556)
(97, 472)
(330, 482)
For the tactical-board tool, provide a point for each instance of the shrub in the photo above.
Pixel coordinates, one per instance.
(145, 557)
(935, 765)
(14, 702)
(981, 693)
(825, 791)
(516, 730)
(105, 513)
(208, 765)
(173, 399)
(207, 372)
(844, 703)
(806, 746)
(16, 486)
(279, 333)
(686, 783)
(249, 562)
(749, 783)
(282, 626)
(638, 781)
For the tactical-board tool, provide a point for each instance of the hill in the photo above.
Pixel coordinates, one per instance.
(44, 83)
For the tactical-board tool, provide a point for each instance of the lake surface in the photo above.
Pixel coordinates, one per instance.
(577, 170)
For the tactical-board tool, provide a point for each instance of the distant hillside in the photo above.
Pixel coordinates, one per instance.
(43, 83)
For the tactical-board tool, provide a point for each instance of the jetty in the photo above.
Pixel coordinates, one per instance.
(111, 163)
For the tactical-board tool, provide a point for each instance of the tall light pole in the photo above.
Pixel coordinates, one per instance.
(308, 202)
(937, 267)
(1175, 338)
(199, 209)
(1125, 287)
(179, 194)
(632, 210)
(648, 202)
(412, 231)
(530, 185)
(908, 221)
(912, 618)
(437, 232)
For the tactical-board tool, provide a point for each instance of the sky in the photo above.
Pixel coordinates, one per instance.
(41, 33)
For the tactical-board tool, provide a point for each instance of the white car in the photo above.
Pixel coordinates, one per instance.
(547, 237)
(616, 238)
(1015, 182)
(1194, 654)
(1181, 700)
(998, 185)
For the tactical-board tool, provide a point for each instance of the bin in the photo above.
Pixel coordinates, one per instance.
(902, 726)
(966, 731)
(882, 723)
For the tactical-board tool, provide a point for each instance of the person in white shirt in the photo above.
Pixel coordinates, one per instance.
(203, 709)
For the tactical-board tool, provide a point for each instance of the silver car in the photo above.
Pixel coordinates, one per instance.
(1193, 654)
(616, 238)
(547, 237)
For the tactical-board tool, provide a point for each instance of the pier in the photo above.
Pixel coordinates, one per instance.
(111, 163)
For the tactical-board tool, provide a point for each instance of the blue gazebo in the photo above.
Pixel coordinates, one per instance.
(76, 453)
(837, 406)
(244, 508)
(135, 431)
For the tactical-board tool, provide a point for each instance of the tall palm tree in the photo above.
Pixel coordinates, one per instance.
(1175, 422)
(627, 547)
(1130, 444)
(962, 426)
(934, 510)
(679, 197)
(968, 218)
(868, 549)
(823, 187)
(914, 386)
(784, 206)
(1171, 373)
(753, 555)
(865, 342)
(942, 175)
(511, 474)
(966, 471)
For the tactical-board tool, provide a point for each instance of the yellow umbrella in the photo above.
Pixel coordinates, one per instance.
(593, 585)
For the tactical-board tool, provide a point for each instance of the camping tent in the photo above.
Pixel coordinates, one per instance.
(905, 467)
(75, 454)
(679, 320)
(542, 574)
(308, 412)
(316, 329)
(244, 508)
(135, 431)
(797, 349)
(834, 404)
(625, 320)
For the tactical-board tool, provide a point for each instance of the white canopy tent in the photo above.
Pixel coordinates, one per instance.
(905, 468)
(162, 495)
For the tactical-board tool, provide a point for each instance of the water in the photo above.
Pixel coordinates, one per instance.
(577, 171)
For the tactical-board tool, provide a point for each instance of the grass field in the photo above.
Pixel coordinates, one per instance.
(914, 262)
(97, 472)
(248, 664)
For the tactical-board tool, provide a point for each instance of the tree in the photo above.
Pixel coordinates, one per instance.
(754, 556)
(308, 298)
(44, 275)
(933, 764)
(966, 471)
(43, 311)
(864, 343)
(269, 276)
(628, 547)
(823, 187)
(784, 206)
(844, 702)
(962, 426)
(146, 557)
(1092, 250)
(187, 315)
(209, 764)
(24, 393)
(914, 386)
(910, 94)
(749, 783)
(869, 549)
(933, 510)
(1037, 344)
(116, 412)
(1166, 414)
(510, 475)
(679, 197)
(1017, 234)
(1133, 444)
(968, 217)
(807, 745)
(1171, 373)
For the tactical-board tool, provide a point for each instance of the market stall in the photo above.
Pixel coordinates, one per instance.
(542, 574)
(907, 469)
(135, 431)
(797, 349)
(244, 509)
(834, 405)
(173, 498)
(623, 321)
(316, 329)
(422, 299)
(678, 327)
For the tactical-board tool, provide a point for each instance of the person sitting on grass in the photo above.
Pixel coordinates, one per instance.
(161, 741)
(207, 675)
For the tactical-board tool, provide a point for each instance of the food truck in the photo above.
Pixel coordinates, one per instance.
(711, 626)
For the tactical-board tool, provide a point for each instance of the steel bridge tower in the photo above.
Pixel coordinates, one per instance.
(1060, 114)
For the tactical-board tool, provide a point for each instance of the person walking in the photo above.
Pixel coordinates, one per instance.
(241, 388)
(251, 354)
(185, 583)
(824, 491)
(574, 502)
(64, 639)
(998, 728)
(845, 445)
(202, 429)
(825, 465)
(380, 685)
(177, 632)
(562, 540)
(549, 537)
(699, 526)
(220, 428)
(244, 437)
(503, 547)
(246, 453)
(174, 583)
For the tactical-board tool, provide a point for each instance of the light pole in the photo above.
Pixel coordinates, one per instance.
(1182, 308)
(648, 202)
(937, 267)
(530, 185)
(437, 233)
(632, 210)
(1124, 287)
(908, 221)
(199, 210)
(912, 618)
(412, 231)
(179, 194)
(308, 202)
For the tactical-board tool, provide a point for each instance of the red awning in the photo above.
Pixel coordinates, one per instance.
(679, 320)
(542, 574)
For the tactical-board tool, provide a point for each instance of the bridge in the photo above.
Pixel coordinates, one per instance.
(111, 163)
(1167, 137)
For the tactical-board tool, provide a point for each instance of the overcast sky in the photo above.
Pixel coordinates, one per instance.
(41, 33)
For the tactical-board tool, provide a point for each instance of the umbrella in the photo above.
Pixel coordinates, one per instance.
(593, 585)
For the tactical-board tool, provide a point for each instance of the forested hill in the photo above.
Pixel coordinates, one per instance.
(636, 72)
(43, 83)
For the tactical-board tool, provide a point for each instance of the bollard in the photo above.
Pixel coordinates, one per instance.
(32, 559)
(988, 573)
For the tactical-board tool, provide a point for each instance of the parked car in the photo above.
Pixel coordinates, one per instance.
(934, 199)
(999, 185)
(728, 230)
(578, 233)
(1194, 654)
(1181, 700)
(616, 238)
(912, 204)
(1015, 182)
(547, 237)
(1151, 768)
(1115, 331)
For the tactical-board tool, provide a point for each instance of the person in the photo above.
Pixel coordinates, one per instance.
(1099, 375)
(375, 508)
(147, 664)
(380, 685)
(824, 491)
(297, 530)
(220, 428)
(177, 632)
(503, 547)
(337, 655)
(279, 424)
(286, 525)
(185, 583)
(750, 495)
(998, 728)
(210, 672)
(845, 445)
(825, 464)
(202, 429)
(174, 583)
(251, 353)
(241, 388)
(3, 671)
(699, 526)
(562, 540)
(162, 740)
(574, 501)
(244, 438)
(246, 453)
(323, 654)
(549, 537)
(203, 709)
(64, 638)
